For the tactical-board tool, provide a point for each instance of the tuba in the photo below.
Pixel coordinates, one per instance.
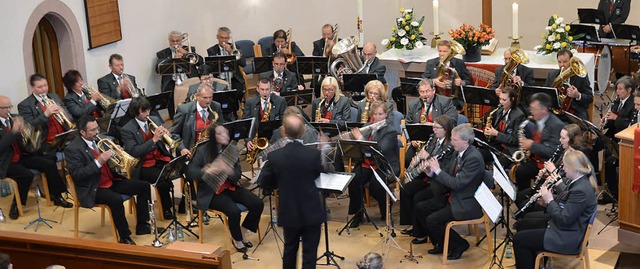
(62, 117)
(166, 139)
(106, 100)
(346, 52)
(445, 72)
(291, 57)
(518, 57)
(561, 82)
(121, 161)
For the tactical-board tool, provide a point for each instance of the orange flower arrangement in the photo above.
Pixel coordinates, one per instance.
(469, 36)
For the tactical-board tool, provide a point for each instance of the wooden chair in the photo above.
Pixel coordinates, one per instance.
(583, 255)
(16, 193)
(483, 220)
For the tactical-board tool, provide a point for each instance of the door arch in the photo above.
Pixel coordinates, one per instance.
(46, 57)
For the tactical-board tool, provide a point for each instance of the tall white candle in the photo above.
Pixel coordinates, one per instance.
(436, 23)
(515, 20)
(360, 25)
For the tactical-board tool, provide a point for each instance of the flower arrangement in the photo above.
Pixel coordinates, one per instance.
(407, 34)
(471, 37)
(556, 36)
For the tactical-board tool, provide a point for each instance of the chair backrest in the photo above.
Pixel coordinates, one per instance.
(265, 42)
(396, 118)
(462, 119)
(246, 47)
(587, 232)
(180, 91)
(354, 114)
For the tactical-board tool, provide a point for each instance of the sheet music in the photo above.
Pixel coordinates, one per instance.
(500, 176)
(384, 185)
(255, 179)
(334, 181)
(489, 203)
(121, 108)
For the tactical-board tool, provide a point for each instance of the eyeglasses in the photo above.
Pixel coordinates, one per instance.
(278, 64)
(6, 107)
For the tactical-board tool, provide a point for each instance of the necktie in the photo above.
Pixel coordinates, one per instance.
(437, 147)
(264, 106)
(203, 114)
(145, 128)
(119, 78)
(94, 147)
(366, 69)
(620, 106)
(7, 124)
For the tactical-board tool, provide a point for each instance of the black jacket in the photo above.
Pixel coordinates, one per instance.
(581, 107)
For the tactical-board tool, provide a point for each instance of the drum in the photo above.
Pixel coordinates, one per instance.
(602, 54)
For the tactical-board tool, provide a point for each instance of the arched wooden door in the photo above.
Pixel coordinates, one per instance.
(46, 57)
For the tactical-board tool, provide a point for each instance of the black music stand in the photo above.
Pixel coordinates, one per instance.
(418, 131)
(160, 101)
(331, 183)
(585, 33)
(351, 125)
(119, 111)
(409, 86)
(170, 171)
(590, 15)
(228, 100)
(354, 83)
(262, 64)
(61, 140)
(170, 67)
(220, 64)
(358, 150)
(330, 129)
(626, 31)
(266, 128)
(480, 96)
(298, 97)
(240, 129)
(527, 91)
(312, 65)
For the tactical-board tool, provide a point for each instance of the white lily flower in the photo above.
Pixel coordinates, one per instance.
(415, 24)
(551, 38)
(402, 32)
(385, 42)
(556, 45)
(559, 20)
(560, 30)
(548, 28)
(574, 51)
(419, 44)
(404, 41)
(400, 20)
(538, 47)
(408, 11)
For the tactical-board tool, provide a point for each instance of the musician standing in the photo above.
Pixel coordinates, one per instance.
(520, 76)
(282, 79)
(374, 91)
(280, 44)
(293, 170)
(429, 106)
(570, 212)
(114, 84)
(452, 83)
(615, 12)
(332, 106)
(266, 106)
(97, 184)
(212, 161)
(463, 179)
(544, 141)
(579, 89)
(225, 48)
(140, 141)
(373, 65)
(78, 103)
(502, 133)
(40, 115)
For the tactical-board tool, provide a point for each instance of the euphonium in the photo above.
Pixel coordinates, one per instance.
(61, 116)
(166, 139)
(518, 57)
(445, 72)
(291, 57)
(521, 154)
(346, 53)
(152, 222)
(365, 114)
(576, 67)
(31, 136)
(106, 100)
(120, 160)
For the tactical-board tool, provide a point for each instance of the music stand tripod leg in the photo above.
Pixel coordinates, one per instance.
(328, 253)
(174, 222)
(272, 227)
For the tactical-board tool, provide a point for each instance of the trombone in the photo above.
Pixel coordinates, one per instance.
(291, 57)
(191, 56)
(234, 50)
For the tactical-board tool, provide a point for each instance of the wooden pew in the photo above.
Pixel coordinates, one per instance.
(39, 251)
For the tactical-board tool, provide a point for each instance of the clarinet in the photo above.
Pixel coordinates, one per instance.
(418, 169)
(412, 171)
(550, 185)
(538, 180)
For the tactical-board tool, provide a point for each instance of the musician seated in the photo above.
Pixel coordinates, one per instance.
(374, 91)
(373, 65)
(424, 110)
(463, 179)
(176, 51)
(385, 135)
(502, 130)
(543, 142)
(579, 89)
(280, 44)
(225, 47)
(447, 82)
(265, 106)
(282, 79)
(520, 76)
(420, 196)
(570, 213)
(97, 184)
(323, 46)
(206, 77)
(310, 134)
(332, 106)
(219, 188)
(615, 12)
(636, 108)
(116, 84)
(141, 141)
(77, 100)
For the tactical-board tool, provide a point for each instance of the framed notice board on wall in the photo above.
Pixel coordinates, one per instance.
(103, 22)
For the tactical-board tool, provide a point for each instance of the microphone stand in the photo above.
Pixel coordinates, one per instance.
(40, 219)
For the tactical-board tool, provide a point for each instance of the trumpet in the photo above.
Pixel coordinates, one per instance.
(61, 116)
(166, 139)
(121, 161)
(152, 221)
(31, 136)
(105, 101)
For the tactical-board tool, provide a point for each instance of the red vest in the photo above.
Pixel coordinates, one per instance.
(105, 173)
(95, 112)
(53, 125)
(149, 160)
(200, 125)
(16, 148)
(537, 137)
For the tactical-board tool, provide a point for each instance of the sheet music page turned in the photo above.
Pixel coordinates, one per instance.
(489, 203)
(334, 181)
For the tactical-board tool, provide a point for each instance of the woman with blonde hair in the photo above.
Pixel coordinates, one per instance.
(332, 106)
(373, 91)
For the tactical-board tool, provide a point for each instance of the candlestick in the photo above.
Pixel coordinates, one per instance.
(359, 6)
(435, 39)
(515, 43)
(515, 19)
(436, 23)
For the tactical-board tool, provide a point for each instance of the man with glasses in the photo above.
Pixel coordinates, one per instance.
(282, 79)
(175, 51)
(225, 48)
(522, 75)
(373, 65)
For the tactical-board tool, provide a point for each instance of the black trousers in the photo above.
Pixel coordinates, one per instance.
(150, 174)
(310, 236)
(526, 245)
(412, 193)
(611, 176)
(47, 165)
(356, 192)
(408, 156)
(112, 197)
(422, 210)
(537, 219)
(226, 203)
(525, 173)
(23, 177)
(436, 225)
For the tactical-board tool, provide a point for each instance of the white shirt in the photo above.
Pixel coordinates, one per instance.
(5, 121)
(200, 109)
(541, 122)
(143, 125)
(90, 145)
(82, 98)
(120, 77)
(622, 102)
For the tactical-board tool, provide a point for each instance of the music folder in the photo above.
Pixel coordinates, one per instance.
(330, 129)
(240, 129)
(479, 133)
(527, 91)
(418, 131)
(357, 150)
(355, 82)
(334, 181)
(312, 65)
(61, 140)
(172, 170)
(626, 31)
(160, 101)
(409, 86)
(227, 99)
(480, 96)
(221, 64)
(590, 15)
(262, 64)
(173, 66)
(584, 33)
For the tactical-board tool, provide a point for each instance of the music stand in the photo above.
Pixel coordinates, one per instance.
(409, 86)
(358, 150)
(312, 65)
(119, 111)
(418, 131)
(330, 129)
(266, 128)
(61, 140)
(590, 15)
(480, 96)
(585, 33)
(174, 66)
(331, 183)
(240, 129)
(220, 64)
(298, 97)
(262, 64)
(527, 91)
(354, 83)
(170, 171)
(351, 125)
(227, 99)
(160, 101)
(626, 31)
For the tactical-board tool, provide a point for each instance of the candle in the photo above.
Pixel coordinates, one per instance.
(359, 9)
(515, 20)
(436, 25)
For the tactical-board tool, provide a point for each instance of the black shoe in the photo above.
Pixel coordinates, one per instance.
(407, 232)
(437, 249)
(59, 201)
(143, 229)
(418, 241)
(13, 212)
(457, 252)
(248, 244)
(167, 214)
(242, 249)
(606, 199)
(355, 223)
(126, 240)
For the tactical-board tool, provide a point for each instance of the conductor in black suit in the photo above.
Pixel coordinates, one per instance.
(97, 184)
(452, 83)
(373, 65)
(113, 84)
(293, 170)
(522, 75)
(616, 12)
(463, 179)
(282, 79)
(580, 89)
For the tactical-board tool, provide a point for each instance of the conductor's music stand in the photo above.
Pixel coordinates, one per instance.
(331, 183)
(228, 100)
(262, 64)
(170, 171)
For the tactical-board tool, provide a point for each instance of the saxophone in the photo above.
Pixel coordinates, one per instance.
(260, 143)
(204, 135)
(61, 116)
(319, 110)
(521, 154)
(229, 156)
(365, 115)
(489, 123)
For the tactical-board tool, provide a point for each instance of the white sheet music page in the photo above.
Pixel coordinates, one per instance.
(500, 176)
(333, 181)
(489, 203)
